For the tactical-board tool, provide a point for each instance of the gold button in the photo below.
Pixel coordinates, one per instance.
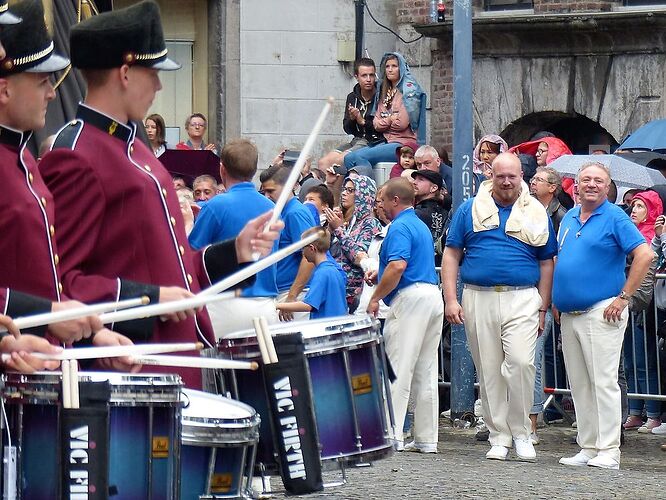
(173, 222)
(56, 259)
(182, 250)
(31, 178)
(147, 167)
(43, 201)
(131, 149)
(164, 192)
(189, 278)
(60, 287)
(52, 230)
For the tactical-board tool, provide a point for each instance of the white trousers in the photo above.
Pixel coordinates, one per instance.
(412, 333)
(234, 315)
(501, 331)
(591, 347)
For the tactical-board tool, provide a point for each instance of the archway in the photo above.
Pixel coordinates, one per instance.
(577, 131)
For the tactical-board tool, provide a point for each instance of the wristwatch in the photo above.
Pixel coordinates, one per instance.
(624, 295)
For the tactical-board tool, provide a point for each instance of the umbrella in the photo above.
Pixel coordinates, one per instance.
(624, 172)
(650, 137)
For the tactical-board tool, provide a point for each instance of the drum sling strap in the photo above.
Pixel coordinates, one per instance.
(292, 418)
(84, 444)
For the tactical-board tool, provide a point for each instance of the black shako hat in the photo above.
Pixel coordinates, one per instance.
(28, 44)
(7, 17)
(434, 177)
(131, 36)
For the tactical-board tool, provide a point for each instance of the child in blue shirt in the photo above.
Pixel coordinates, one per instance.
(326, 297)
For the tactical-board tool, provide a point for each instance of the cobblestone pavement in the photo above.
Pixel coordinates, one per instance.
(460, 470)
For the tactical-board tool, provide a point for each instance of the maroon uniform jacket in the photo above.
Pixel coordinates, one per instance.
(120, 230)
(30, 257)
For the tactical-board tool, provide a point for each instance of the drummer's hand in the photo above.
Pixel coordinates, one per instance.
(20, 349)
(172, 293)
(284, 315)
(106, 337)
(373, 307)
(75, 329)
(253, 240)
(11, 327)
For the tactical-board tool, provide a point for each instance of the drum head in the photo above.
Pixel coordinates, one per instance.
(126, 389)
(320, 335)
(210, 419)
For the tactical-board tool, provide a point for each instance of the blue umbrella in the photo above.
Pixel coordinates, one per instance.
(650, 137)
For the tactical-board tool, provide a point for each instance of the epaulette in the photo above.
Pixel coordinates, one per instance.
(68, 135)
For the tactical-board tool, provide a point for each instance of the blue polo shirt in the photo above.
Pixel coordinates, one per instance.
(408, 239)
(493, 257)
(224, 216)
(297, 219)
(592, 256)
(327, 295)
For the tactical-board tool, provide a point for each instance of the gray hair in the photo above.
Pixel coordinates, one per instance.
(553, 177)
(593, 164)
(426, 150)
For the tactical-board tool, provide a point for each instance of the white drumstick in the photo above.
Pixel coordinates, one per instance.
(296, 170)
(32, 321)
(165, 307)
(195, 362)
(66, 385)
(261, 341)
(298, 167)
(114, 351)
(74, 382)
(255, 267)
(272, 354)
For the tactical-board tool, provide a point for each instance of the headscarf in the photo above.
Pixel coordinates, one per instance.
(654, 209)
(492, 138)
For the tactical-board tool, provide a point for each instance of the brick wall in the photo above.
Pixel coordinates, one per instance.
(441, 100)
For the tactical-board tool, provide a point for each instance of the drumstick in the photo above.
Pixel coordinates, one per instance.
(272, 354)
(296, 170)
(194, 362)
(114, 351)
(75, 313)
(256, 322)
(74, 381)
(255, 267)
(66, 385)
(164, 307)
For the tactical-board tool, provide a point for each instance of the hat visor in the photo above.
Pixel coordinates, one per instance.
(53, 63)
(9, 18)
(166, 65)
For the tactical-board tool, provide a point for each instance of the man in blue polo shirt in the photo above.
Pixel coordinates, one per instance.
(506, 243)
(408, 285)
(223, 217)
(591, 292)
(294, 271)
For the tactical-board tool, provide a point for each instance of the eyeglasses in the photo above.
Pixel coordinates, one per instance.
(197, 125)
(348, 190)
(541, 152)
(539, 179)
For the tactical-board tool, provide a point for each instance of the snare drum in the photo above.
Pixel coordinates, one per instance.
(219, 443)
(144, 423)
(347, 369)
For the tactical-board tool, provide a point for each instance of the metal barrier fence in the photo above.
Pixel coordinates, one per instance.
(640, 371)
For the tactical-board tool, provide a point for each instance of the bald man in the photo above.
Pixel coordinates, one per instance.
(509, 243)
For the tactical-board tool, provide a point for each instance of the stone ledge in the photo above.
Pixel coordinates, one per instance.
(555, 35)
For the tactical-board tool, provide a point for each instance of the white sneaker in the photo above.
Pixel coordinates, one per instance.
(497, 452)
(524, 449)
(421, 447)
(445, 414)
(604, 462)
(579, 460)
(478, 409)
(659, 430)
(398, 445)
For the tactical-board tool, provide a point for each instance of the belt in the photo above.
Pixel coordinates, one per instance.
(497, 288)
(577, 313)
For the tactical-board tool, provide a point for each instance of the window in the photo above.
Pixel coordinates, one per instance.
(495, 5)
